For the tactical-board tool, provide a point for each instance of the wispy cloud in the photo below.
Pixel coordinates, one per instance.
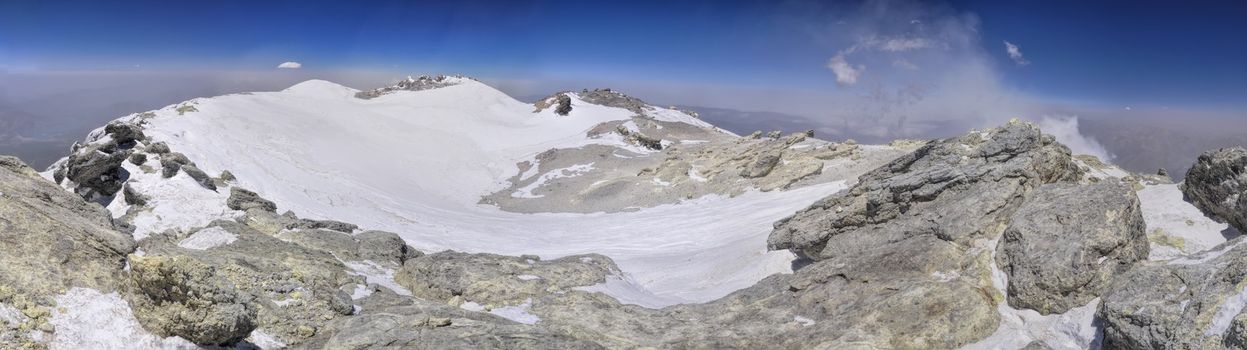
(846, 74)
(290, 65)
(1015, 53)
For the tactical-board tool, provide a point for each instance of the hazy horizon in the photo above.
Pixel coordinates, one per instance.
(869, 70)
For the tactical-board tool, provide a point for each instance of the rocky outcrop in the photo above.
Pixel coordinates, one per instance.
(184, 297)
(762, 165)
(1189, 303)
(171, 162)
(907, 250)
(51, 240)
(309, 224)
(96, 169)
(499, 280)
(391, 321)
(242, 199)
(284, 288)
(1066, 243)
(420, 83)
(956, 190)
(124, 134)
(611, 98)
(1217, 184)
(380, 247)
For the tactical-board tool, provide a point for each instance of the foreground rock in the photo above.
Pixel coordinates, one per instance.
(1217, 184)
(1194, 303)
(51, 240)
(497, 279)
(392, 321)
(1065, 244)
(242, 280)
(904, 257)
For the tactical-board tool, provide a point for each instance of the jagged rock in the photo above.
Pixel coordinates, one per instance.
(96, 169)
(138, 158)
(757, 134)
(171, 162)
(1162, 172)
(775, 134)
(762, 165)
(381, 246)
(611, 98)
(390, 321)
(124, 133)
(158, 148)
(180, 296)
(1190, 303)
(902, 259)
(956, 189)
(497, 279)
(563, 105)
(294, 289)
(309, 224)
(242, 199)
(420, 83)
(878, 297)
(227, 176)
(384, 248)
(1217, 184)
(200, 176)
(133, 197)
(50, 240)
(1065, 244)
(267, 222)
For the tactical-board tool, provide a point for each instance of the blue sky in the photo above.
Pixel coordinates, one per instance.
(1119, 53)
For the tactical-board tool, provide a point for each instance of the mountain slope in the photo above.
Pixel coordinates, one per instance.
(418, 162)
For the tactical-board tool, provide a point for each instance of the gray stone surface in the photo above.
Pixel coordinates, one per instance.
(1066, 243)
(957, 189)
(1192, 303)
(1217, 184)
(50, 240)
(96, 169)
(200, 176)
(393, 322)
(184, 297)
(243, 199)
(497, 279)
(420, 83)
(309, 224)
(124, 133)
(294, 289)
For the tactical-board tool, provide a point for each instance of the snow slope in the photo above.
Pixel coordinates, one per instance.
(417, 162)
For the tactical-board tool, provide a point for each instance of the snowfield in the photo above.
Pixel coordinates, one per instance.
(416, 163)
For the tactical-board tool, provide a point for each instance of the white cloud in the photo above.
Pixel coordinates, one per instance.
(1015, 53)
(290, 65)
(846, 74)
(1065, 130)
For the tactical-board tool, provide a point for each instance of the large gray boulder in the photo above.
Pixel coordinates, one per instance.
(902, 259)
(957, 189)
(242, 199)
(184, 297)
(1066, 243)
(96, 169)
(1217, 184)
(290, 289)
(1189, 303)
